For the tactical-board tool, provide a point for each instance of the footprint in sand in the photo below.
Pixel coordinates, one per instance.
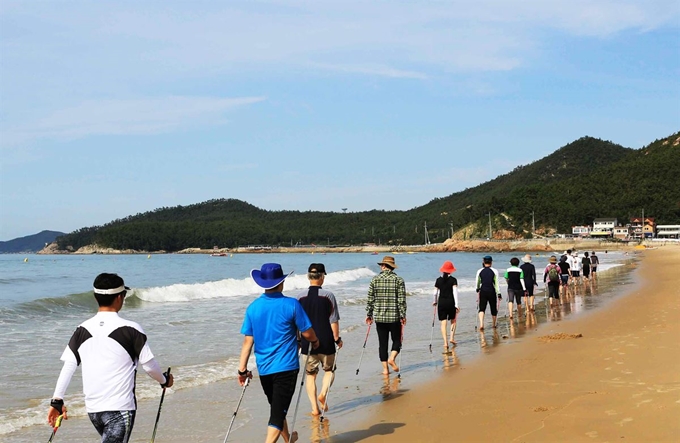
(592, 434)
(643, 402)
(626, 372)
(607, 359)
(619, 362)
(624, 421)
(607, 369)
(611, 412)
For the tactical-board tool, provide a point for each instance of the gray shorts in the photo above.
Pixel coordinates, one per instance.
(515, 296)
(325, 361)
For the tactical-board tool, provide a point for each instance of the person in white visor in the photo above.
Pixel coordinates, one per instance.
(109, 349)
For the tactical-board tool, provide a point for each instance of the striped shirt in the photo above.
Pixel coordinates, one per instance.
(386, 298)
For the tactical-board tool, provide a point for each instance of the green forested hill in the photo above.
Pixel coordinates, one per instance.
(585, 179)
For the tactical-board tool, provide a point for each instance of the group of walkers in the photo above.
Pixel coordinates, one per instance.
(277, 329)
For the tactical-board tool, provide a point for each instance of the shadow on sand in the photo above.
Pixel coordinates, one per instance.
(361, 434)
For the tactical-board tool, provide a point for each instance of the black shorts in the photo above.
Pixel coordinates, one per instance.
(446, 310)
(490, 298)
(594, 269)
(515, 296)
(575, 273)
(279, 389)
(586, 272)
(530, 289)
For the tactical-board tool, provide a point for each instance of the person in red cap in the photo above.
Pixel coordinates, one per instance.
(446, 300)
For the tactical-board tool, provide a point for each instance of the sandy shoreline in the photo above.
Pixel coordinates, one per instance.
(619, 382)
(542, 245)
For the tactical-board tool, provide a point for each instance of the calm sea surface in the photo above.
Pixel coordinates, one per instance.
(191, 307)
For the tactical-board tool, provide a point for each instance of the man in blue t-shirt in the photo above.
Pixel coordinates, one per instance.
(271, 325)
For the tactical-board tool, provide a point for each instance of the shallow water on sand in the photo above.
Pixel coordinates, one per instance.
(191, 308)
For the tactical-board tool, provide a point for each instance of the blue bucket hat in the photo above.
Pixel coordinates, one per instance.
(269, 276)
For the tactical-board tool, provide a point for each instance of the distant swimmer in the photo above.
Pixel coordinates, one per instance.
(514, 277)
(530, 282)
(552, 276)
(110, 350)
(487, 291)
(446, 300)
(271, 326)
(322, 309)
(386, 306)
(594, 261)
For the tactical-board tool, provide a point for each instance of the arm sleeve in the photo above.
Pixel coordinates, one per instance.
(335, 315)
(65, 375)
(436, 293)
(521, 279)
(455, 295)
(495, 282)
(302, 321)
(154, 370)
(371, 300)
(533, 274)
(479, 280)
(545, 274)
(247, 326)
(402, 299)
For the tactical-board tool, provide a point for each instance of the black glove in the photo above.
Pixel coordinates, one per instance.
(58, 405)
(166, 374)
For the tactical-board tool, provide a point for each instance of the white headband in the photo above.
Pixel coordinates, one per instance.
(110, 291)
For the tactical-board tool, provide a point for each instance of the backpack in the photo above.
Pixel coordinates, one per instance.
(553, 274)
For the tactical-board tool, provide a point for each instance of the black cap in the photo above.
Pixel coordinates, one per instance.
(317, 267)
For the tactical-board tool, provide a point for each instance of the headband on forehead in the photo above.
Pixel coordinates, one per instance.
(113, 291)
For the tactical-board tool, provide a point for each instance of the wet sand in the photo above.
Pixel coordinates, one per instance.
(610, 375)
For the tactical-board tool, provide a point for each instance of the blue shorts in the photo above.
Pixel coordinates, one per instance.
(565, 278)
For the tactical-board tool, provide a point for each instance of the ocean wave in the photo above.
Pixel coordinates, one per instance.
(238, 287)
(186, 377)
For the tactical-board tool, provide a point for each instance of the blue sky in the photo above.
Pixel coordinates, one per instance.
(112, 108)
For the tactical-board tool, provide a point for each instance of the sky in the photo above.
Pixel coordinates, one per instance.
(108, 109)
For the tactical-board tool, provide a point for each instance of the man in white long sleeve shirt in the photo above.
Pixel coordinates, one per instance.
(446, 300)
(110, 349)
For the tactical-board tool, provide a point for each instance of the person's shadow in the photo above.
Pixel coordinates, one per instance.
(358, 435)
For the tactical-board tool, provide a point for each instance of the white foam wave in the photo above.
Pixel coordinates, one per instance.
(146, 388)
(233, 287)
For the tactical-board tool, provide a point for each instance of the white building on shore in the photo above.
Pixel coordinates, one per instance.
(668, 231)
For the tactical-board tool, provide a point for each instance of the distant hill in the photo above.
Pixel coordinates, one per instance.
(585, 179)
(30, 243)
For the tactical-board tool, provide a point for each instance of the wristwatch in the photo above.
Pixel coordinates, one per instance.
(244, 373)
(337, 342)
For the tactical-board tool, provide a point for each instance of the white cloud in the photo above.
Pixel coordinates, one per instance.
(127, 117)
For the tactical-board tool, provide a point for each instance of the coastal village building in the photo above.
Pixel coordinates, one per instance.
(642, 227)
(603, 227)
(580, 231)
(622, 232)
(668, 231)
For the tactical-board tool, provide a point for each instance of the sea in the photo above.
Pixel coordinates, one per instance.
(191, 308)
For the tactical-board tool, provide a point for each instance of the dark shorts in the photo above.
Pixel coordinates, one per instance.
(565, 278)
(586, 272)
(113, 426)
(515, 296)
(279, 389)
(594, 269)
(575, 273)
(530, 289)
(446, 310)
(554, 291)
(490, 298)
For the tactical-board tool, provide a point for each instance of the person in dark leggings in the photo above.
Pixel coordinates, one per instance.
(387, 307)
(487, 290)
(551, 276)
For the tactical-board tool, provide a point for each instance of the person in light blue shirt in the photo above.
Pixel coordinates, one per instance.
(270, 326)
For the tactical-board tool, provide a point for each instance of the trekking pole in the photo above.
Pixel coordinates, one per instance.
(434, 314)
(302, 383)
(362, 351)
(57, 423)
(335, 365)
(160, 405)
(233, 417)
(401, 349)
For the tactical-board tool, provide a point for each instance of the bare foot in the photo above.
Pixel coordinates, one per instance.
(316, 412)
(385, 372)
(322, 401)
(393, 365)
(453, 343)
(293, 437)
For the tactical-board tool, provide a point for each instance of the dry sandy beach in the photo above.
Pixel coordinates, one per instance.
(619, 382)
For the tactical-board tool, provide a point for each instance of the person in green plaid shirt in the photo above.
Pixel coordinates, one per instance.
(387, 307)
